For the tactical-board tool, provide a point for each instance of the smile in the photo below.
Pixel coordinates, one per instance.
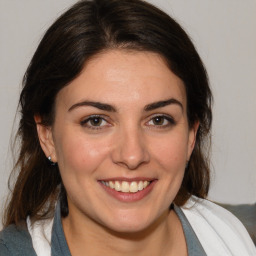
(125, 186)
(128, 190)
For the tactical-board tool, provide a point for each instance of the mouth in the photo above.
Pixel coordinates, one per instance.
(128, 190)
(126, 186)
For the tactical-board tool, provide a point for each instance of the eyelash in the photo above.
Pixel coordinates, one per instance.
(89, 119)
(170, 122)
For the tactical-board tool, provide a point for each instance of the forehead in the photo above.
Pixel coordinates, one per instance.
(121, 76)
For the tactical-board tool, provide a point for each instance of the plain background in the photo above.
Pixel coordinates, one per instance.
(225, 36)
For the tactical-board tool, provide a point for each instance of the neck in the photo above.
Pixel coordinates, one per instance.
(163, 237)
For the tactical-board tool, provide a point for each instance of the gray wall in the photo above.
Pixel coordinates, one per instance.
(225, 36)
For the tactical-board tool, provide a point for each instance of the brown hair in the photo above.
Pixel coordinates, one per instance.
(86, 29)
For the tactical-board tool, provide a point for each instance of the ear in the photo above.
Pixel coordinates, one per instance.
(45, 138)
(192, 139)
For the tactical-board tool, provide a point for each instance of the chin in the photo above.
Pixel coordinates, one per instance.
(127, 224)
(124, 230)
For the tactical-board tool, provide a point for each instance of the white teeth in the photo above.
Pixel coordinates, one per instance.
(117, 186)
(125, 186)
(145, 184)
(134, 187)
(140, 186)
(111, 184)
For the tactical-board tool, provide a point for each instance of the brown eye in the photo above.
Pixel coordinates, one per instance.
(95, 121)
(159, 120)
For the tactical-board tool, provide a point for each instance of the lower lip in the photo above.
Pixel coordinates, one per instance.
(129, 197)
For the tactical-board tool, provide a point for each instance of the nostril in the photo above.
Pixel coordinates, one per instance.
(130, 150)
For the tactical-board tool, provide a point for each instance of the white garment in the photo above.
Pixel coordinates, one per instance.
(41, 233)
(218, 230)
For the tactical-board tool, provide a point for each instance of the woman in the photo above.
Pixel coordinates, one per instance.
(115, 123)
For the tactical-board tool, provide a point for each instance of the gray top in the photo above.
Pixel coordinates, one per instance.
(193, 244)
(59, 243)
(16, 241)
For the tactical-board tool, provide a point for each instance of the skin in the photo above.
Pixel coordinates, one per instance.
(130, 142)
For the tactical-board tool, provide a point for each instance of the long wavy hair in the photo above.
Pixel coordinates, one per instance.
(86, 29)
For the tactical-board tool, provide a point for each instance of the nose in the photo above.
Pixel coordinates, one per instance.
(130, 149)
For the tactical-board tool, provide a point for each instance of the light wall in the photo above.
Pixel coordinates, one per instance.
(225, 36)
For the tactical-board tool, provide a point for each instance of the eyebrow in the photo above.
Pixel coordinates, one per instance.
(107, 107)
(163, 103)
(99, 105)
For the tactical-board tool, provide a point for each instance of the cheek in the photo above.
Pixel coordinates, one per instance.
(80, 155)
(171, 152)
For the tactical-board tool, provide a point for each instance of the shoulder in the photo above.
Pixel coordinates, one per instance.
(217, 229)
(15, 240)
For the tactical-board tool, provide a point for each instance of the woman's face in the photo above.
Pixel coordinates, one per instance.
(121, 140)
